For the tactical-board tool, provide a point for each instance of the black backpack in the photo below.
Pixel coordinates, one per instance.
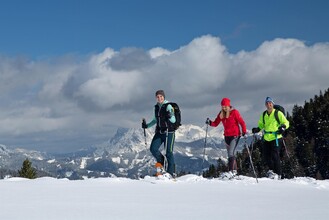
(277, 109)
(177, 114)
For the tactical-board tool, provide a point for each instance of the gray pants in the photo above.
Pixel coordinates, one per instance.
(231, 143)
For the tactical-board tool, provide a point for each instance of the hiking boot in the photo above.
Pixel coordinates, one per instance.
(271, 175)
(159, 169)
(228, 175)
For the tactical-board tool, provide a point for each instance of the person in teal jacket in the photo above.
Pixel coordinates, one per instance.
(273, 141)
(164, 117)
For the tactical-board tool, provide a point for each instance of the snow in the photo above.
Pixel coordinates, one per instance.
(116, 160)
(190, 197)
(51, 161)
(84, 162)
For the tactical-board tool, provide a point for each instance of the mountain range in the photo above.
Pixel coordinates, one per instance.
(126, 154)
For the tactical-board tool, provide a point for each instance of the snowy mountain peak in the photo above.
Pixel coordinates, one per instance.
(190, 133)
(133, 140)
(3, 150)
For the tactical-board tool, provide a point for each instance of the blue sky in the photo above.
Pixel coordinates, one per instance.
(72, 72)
(40, 28)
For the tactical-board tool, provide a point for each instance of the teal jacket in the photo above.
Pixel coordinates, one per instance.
(170, 109)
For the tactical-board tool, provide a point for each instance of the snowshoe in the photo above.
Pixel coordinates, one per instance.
(228, 175)
(271, 175)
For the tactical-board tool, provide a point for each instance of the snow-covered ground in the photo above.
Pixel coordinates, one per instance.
(190, 197)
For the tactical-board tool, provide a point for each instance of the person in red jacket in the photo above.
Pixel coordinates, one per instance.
(232, 121)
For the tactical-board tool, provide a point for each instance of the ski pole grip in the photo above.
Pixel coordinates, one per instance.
(144, 122)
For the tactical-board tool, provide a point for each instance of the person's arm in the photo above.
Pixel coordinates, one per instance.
(216, 122)
(260, 122)
(283, 120)
(152, 122)
(241, 122)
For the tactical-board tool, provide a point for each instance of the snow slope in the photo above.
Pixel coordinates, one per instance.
(190, 197)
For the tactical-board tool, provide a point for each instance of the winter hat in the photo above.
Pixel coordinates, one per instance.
(160, 92)
(269, 99)
(226, 102)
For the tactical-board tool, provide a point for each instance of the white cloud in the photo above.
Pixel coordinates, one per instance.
(91, 96)
(158, 52)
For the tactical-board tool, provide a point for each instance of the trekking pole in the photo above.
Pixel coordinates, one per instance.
(144, 122)
(252, 143)
(252, 164)
(148, 161)
(205, 145)
(288, 155)
(165, 162)
(285, 148)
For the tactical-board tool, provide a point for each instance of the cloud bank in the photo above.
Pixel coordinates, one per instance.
(71, 102)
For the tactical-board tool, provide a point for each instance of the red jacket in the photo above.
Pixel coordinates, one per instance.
(231, 124)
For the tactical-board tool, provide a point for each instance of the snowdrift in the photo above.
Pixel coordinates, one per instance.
(190, 197)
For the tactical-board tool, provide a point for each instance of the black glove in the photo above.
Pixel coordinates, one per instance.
(281, 129)
(255, 130)
(144, 125)
(208, 122)
(243, 134)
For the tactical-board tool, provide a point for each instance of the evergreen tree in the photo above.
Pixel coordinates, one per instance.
(310, 126)
(215, 171)
(27, 171)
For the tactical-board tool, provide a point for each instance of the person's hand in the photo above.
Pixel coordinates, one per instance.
(244, 134)
(144, 125)
(208, 122)
(281, 129)
(255, 130)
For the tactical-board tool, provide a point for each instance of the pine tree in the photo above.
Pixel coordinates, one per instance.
(27, 171)
(310, 127)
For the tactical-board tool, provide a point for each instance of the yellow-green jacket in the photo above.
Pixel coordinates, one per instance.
(271, 125)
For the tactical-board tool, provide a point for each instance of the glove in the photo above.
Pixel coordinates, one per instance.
(208, 122)
(255, 130)
(281, 129)
(144, 125)
(244, 134)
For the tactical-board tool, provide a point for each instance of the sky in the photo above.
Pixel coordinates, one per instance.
(72, 72)
(190, 197)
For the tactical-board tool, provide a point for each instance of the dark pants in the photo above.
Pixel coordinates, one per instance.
(157, 141)
(271, 155)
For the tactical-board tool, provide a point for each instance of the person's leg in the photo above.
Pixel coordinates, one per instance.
(231, 144)
(154, 148)
(170, 153)
(267, 148)
(276, 157)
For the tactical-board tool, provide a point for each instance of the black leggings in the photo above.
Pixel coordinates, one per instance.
(271, 155)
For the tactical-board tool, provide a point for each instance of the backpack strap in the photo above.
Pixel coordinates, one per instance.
(264, 117)
(276, 116)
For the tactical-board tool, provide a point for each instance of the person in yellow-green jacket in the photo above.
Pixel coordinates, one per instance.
(274, 123)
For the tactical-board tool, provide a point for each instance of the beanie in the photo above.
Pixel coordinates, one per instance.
(269, 99)
(160, 92)
(226, 102)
